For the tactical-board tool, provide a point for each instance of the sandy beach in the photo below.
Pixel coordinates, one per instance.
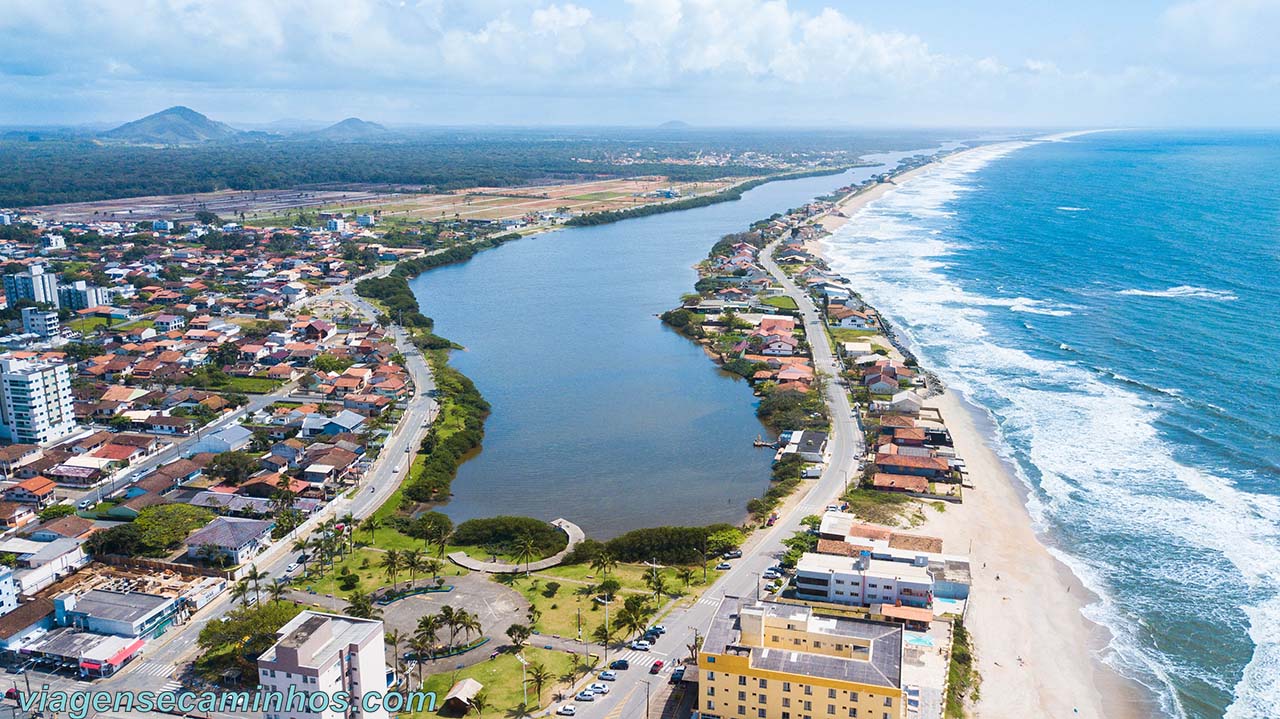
(1037, 653)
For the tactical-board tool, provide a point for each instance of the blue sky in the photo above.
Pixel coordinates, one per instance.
(707, 62)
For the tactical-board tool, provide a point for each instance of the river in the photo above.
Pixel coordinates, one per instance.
(601, 414)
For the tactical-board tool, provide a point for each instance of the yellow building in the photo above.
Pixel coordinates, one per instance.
(764, 660)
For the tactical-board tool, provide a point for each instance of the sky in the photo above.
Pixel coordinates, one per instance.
(993, 63)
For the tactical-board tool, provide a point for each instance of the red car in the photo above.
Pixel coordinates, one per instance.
(657, 667)
(12, 693)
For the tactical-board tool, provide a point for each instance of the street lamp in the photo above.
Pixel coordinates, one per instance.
(645, 682)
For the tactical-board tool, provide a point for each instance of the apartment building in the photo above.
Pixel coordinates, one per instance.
(34, 285)
(862, 580)
(330, 653)
(768, 660)
(40, 322)
(35, 401)
(81, 295)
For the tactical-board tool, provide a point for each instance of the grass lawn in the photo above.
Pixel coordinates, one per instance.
(891, 509)
(782, 302)
(87, 324)
(502, 678)
(366, 563)
(598, 196)
(844, 334)
(560, 611)
(247, 385)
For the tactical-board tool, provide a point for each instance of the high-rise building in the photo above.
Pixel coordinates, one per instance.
(786, 661)
(34, 285)
(329, 653)
(39, 322)
(81, 295)
(35, 401)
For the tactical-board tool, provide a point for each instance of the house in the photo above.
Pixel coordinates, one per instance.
(231, 539)
(846, 317)
(227, 439)
(170, 425)
(345, 421)
(68, 527)
(168, 323)
(290, 451)
(16, 456)
(14, 515)
(809, 444)
(37, 492)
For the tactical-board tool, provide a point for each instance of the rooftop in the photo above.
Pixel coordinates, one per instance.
(119, 606)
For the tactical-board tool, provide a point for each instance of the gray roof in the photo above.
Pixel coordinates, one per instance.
(229, 532)
(119, 606)
(882, 668)
(233, 434)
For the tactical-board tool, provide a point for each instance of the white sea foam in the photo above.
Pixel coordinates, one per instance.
(1185, 291)
(1073, 209)
(1101, 465)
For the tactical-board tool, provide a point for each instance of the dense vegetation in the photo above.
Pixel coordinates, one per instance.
(666, 545)
(511, 533)
(451, 438)
(963, 681)
(155, 532)
(784, 410)
(689, 203)
(48, 167)
(244, 634)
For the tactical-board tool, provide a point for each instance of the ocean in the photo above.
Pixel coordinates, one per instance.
(1111, 301)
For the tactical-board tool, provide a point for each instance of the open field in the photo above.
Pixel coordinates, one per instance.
(486, 203)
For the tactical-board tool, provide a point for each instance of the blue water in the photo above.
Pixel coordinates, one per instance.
(601, 414)
(1111, 300)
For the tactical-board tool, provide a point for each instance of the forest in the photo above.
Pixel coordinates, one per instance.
(37, 169)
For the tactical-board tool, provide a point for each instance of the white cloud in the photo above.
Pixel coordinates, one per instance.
(1226, 33)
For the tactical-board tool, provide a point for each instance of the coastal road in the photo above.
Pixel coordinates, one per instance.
(845, 447)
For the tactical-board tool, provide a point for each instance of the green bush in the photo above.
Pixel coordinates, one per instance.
(507, 531)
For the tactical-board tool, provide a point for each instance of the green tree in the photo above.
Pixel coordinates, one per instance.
(56, 511)
(162, 528)
(519, 634)
(233, 468)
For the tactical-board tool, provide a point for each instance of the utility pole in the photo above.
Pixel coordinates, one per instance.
(646, 698)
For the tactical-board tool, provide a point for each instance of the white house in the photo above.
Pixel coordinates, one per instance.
(227, 439)
(234, 539)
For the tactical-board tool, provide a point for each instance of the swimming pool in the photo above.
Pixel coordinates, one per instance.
(922, 640)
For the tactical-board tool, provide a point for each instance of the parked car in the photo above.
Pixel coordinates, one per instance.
(598, 688)
(733, 554)
(608, 675)
(585, 696)
(620, 664)
(723, 565)
(293, 567)
(770, 573)
(658, 628)
(85, 503)
(12, 693)
(677, 675)
(657, 667)
(640, 645)
(567, 710)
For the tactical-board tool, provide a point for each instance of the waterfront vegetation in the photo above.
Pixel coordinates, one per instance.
(891, 509)
(234, 644)
(452, 438)
(963, 681)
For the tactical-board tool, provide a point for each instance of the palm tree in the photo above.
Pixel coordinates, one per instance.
(302, 545)
(391, 563)
(469, 623)
(412, 561)
(480, 702)
(421, 648)
(685, 574)
(394, 637)
(631, 620)
(656, 581)
(276, 591)
(240, 592)
(438, 534)
(349, 526)
(361, 606)
(371, 525)
(429, 629)
(533, 615)
(434, 566)
(526, 549)
(604, 562)
(449, 620)
(539, 676)
(255, 576)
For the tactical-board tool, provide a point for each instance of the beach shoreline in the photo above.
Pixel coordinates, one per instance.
(1036, 651)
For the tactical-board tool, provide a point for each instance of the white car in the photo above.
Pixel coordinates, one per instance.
(599, 688)
(567, 710)
(640, 645)
(585, 696)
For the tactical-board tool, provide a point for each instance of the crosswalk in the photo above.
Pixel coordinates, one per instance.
(710, 601)
(637, 659)
(154, 669)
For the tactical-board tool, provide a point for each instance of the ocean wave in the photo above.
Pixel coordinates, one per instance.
(1185, 291)
(1073, 209)
(1087, 446)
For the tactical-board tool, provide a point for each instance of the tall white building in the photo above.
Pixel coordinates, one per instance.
(329, 653)
(40, 322)
(81, 295)
(8, 591)
(35, 401)
(35, 285)
(862, 581)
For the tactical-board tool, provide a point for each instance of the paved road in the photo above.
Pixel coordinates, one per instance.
(845, 447)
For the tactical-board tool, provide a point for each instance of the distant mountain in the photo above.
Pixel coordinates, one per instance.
(176, 126)
(352, 128)
(674, 125)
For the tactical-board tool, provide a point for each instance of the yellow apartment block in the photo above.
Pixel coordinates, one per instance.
(764, 660)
